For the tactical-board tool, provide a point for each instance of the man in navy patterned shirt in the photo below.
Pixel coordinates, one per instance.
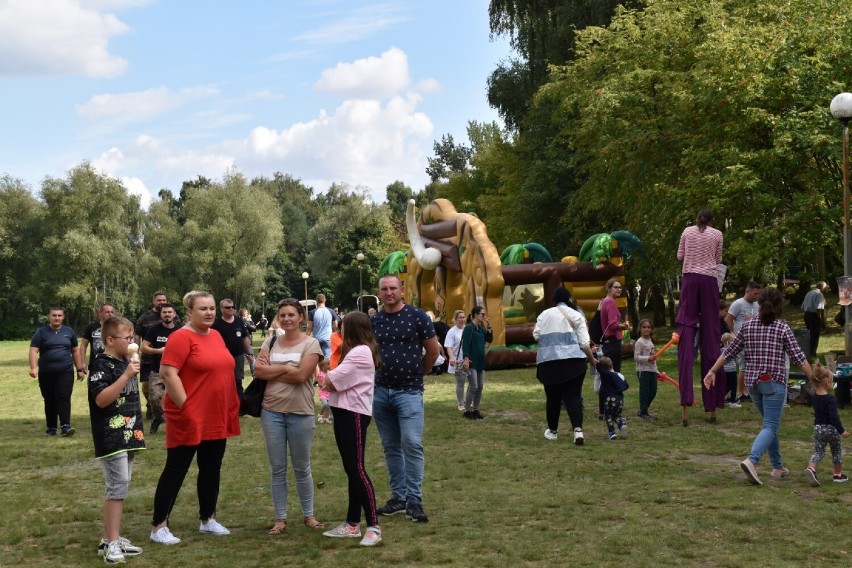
(408, 347)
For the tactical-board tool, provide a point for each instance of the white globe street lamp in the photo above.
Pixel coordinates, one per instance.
(360, 258)
(841, 108)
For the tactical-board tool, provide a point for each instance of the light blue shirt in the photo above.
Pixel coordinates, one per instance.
(322, 324)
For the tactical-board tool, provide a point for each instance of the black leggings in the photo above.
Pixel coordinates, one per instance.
(350, 432)
(178, 460)
(570, 393)
(56, 388)
(612, 349)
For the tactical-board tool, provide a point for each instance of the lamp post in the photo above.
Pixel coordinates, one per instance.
(841, 108)
(360, 258)
(305, 277)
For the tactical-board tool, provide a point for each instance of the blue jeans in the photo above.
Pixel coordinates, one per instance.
(769, 398)
(325, 345)
(283, 429)
(399, 416)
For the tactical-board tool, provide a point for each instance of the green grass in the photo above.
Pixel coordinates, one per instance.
(497, 492)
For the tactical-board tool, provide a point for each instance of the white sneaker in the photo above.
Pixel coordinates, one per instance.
(344, 530)
(578, 437)
(212, 526)
(733, 405)
(127, 547)
(550, 435)
(164, 536)
(461, 408)
(372, 536)
(113, 553)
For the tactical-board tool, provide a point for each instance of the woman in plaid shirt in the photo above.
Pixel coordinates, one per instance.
(765, 341)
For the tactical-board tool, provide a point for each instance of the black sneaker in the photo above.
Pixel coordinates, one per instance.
(840, 478)
(477, 415)
(392, 507)
(67, 430)
(469, 415)
(414, 512)
(155, 425)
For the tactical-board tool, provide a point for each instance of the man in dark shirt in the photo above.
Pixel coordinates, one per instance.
(92, 333)
(146, 321)
(153, 345)
(237, 340)
(402, 332)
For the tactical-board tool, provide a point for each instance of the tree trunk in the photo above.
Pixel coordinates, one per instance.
(671, 303)
(658, 305)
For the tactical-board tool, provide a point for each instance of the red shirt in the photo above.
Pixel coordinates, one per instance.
(206, 369)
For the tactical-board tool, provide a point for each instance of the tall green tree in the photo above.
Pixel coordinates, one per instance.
(350, 223)
(22, 221)
(542, 33)
(691, 104)
(92, 240)
(225, 242)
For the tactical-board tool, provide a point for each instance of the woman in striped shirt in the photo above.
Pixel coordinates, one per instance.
(700, 251)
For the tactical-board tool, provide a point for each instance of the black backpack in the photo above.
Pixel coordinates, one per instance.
(595, 329)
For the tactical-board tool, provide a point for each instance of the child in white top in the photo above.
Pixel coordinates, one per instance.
(646, 368)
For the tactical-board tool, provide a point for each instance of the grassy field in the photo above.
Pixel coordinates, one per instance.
(497, 492)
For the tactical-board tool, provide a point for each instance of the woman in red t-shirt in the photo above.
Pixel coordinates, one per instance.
(202, 411)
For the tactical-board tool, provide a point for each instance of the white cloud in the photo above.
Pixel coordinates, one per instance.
(141, 105)
(57, 37)
(159, 164)
(371, 77)
(136, 186)
(359, 24)
(372, 138)
(364, 143)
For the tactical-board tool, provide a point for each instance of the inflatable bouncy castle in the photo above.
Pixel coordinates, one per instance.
(452, 264)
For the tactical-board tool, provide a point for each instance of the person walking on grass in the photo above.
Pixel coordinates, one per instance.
(814, 309)
(612, 396)
(452, 344)
(742, 310)
(700, 251)
(402, 332)
(116, 416)
(53, 355)
(646, 368)
(827, 427)
(351, 386)
(563, 350)
(92, 334)
(153, 346)
(767, 341)
(476, 334)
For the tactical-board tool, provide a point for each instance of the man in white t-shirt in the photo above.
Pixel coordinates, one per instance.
(742, 310)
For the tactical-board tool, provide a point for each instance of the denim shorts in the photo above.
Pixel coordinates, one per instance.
(118, 469)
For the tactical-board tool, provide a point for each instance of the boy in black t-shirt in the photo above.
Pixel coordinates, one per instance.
(116, 415)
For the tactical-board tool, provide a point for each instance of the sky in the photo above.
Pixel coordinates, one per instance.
(154, 93)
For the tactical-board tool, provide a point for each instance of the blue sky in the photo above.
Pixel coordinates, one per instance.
(158, 92)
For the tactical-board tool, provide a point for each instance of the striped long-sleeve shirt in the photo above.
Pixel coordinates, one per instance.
(700, 251)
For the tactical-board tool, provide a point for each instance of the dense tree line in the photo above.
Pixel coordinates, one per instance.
(655, 110)
(83, 239)
(618, 115)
